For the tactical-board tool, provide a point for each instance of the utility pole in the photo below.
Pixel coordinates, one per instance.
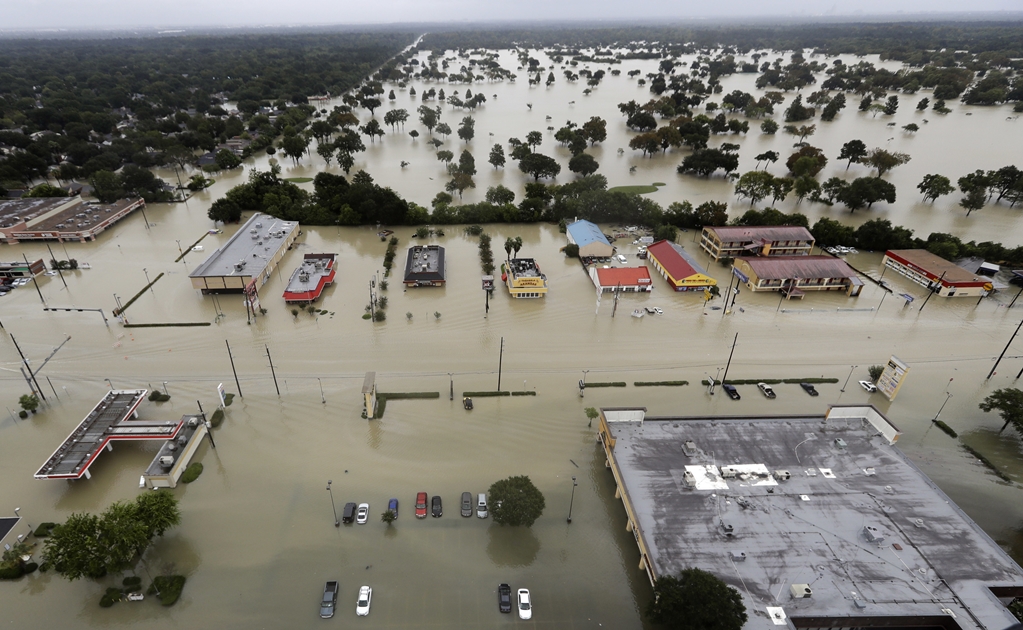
(730, 357)
(54, 260)
(209, 432)
(29, 265)
(451, 378)
(932, 291)
(272, 369)
(500, 363)
(237, 384)
(372, 307)
(994, 367)
(29, 369)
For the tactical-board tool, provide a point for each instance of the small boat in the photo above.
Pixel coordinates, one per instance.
(467, 403)
(638, 313)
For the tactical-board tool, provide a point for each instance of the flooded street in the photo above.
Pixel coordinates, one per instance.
(257, 539)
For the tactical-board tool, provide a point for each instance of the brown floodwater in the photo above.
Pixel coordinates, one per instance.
(257, 538)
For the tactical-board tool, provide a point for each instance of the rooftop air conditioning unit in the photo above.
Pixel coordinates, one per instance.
(166, 461)
(801, 591)
(782, 475)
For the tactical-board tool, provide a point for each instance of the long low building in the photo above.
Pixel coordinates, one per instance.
(247, 259)
(60, 218)
(591, 241)
(628, 279)
(680, 269)
(733, 241)
(945, 278)
(817, 521)
(797, 274)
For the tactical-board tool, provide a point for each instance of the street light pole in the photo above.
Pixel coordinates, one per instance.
(572, 500)
(337, 523)
(322, 398)
(849, 377)
(947, 396)
(451, 380)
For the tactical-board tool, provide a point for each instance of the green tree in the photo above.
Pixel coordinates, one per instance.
(755, 185)
(769, 157)
(429, 117)
(45, 190)
(226, 160)
(891, 105)
(534, 139)
(499, 195)
(934, 186)
(595, 130)
(460, 181)
(466, 163)
(225, 210)
(496, 158)
(294, 147)
(807, 160)
(875, 372)
(107, 186)
(516, 501)
(583, 164)
(1009, 404)
(866, 191)
(445, 156)
(974, 200)
(884, 160)
(854, 151)
(539, 165)
(444, 129)
(696, 600)
(467, 130)
(388, 517)
(571, 250)
(29, 402)
(828, 232)
(769, 127)
(75, 548)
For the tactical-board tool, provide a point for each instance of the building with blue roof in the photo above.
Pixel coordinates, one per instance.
(591, 241)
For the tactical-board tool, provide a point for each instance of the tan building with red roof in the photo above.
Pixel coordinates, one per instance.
(629, 279)
(797, 274)
(680, 269)
(732, 241)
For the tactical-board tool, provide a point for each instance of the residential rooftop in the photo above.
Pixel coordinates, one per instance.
(817, 521)
(760, 233)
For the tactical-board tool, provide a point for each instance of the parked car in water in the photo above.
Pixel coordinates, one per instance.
(525, 605)
(466, 504)
(731, 391)
(421, 505)
(481, 506)
(329, 599)
(436, 507)
(363, 514)
(467, 403)
(867, 385)
(365, 598)
(622, 259)
(392, 505)
(766, 389)
(348, 515)
(504, 603)
(810, 389)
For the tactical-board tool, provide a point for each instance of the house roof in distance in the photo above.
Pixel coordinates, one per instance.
(787, 267)
(583, 232)
(767, 233)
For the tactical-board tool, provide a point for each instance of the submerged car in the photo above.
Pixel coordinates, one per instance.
(810, 389)
(731, 391)
(504, 598)
(363, 514)
(467, 403)
(481, 506)
(525, 605)
(766, 389)
(421, 505)
(329, 599)
(867, 385)
(392, 505)
(466, 504)
(365, 597)
(437, 507)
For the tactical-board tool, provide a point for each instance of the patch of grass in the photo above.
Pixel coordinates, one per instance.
(659, 184)
(366, 316)
(44, 530)
(167, 325)
(170, 587)
(487, 394)
(987, 462)
(217, 418)
(524, 393)
(947, 429)
(192, 472)
(660, 383)
(606, 384)
(634, 190)
(298, 180)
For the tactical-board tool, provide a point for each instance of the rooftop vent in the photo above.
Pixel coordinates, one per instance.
(873, 534)
(166, 461)
(689, 448)
(801, 591)
(727, 528)
(737, 556)
(782, 475)
(840, 443)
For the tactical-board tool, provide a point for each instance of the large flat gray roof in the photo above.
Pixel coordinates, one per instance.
(255, 243)
(855, 520)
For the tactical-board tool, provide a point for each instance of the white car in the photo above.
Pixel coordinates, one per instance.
(365, 597)
(622, 259)
(867, 385)
(525, 605)
(363, 514)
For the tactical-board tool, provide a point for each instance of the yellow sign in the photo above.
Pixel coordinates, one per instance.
(528, 282)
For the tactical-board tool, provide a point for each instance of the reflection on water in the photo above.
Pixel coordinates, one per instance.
(257, 538)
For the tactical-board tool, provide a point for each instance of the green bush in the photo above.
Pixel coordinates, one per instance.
(947, 429)
(44, 530)
(170, 587)
(524, 393)
(659, 383)
(11, 572)
(217, 418)
(606, 384)
(192, 472)
(485, 394)
(106, 602)
(157, 396)
(44, 567)
(379, 316)
(228, 398)
(22, 414)
(406, 395)
(875, 372)
(132, 584)
(31, 567)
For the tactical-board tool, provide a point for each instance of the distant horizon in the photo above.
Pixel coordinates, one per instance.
(996, 11)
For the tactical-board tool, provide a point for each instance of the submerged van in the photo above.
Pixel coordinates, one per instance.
(481, 506)
(349, 513)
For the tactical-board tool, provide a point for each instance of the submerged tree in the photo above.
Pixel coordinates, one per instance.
(516, 501)
(696, 600)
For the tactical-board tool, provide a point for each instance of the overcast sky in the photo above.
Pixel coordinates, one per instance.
(117, 14)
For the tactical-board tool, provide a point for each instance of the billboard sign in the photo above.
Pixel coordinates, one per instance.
(220, 394)
(892, 377)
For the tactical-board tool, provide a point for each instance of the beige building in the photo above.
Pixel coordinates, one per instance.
(248, 257)
(732, 241)
(795, 275)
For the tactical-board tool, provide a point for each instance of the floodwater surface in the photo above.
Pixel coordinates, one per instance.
(257, 537)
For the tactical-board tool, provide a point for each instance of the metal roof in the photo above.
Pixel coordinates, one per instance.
(424, 263)
(678, 263)
(805, 267)
(768, 233)
(934, 265)
(625, 276)
(771, 503)
(584, 232)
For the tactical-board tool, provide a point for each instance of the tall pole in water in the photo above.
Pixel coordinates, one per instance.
(29, 265)
(230, 356)
(572, 500)
(995, 366)
(57, 267)
(337, 523)
(28, 368)
(500, 363)
(932, 291)
(272, 369)
(723, 378)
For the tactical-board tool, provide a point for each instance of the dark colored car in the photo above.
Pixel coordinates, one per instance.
(504, 603)
(466, 504)
(810, 389)
(392, 505)
(329, 601)
(421, 505)
(731, 391)
(436, 507)
(348, 515)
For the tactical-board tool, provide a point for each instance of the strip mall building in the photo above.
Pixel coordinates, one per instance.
(946, 278)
